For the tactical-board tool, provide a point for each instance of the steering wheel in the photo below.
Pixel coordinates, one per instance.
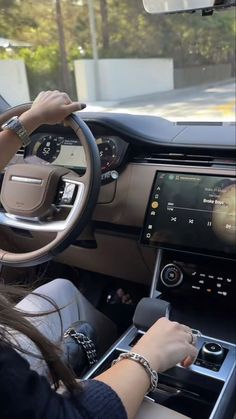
(34, 197)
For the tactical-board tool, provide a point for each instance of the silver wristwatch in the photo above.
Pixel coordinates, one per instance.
(15, 125)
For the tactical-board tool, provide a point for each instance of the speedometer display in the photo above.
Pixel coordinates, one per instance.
(65, 151)
(47, 149)
(108, 152)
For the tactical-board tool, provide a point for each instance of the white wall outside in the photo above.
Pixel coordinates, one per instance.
(13, 82)
(123, 78)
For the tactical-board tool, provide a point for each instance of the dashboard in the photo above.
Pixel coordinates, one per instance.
(136, 148)
(145, 152)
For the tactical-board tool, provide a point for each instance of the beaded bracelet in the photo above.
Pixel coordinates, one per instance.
(145, 364)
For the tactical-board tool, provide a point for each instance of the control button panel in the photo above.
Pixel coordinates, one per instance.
(210, 283)
(195, 275)
(172, 275)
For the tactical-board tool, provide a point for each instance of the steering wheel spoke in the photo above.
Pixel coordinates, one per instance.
(48, 226)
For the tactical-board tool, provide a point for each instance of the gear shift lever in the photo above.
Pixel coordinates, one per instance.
(148, 311)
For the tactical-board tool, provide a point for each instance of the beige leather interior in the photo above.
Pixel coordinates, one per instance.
(137, 261)
(132, 193)
(150, 410)
(115, 256)
(29, 190)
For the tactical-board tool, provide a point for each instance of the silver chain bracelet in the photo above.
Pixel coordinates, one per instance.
(145, 364)
(85, 342)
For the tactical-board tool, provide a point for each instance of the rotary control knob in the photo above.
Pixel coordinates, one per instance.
(171, 275)
(212, 352)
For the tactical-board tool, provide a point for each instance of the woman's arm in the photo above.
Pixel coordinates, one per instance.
(9, 144)
(26, 394)
(164, 345)
(48, 108)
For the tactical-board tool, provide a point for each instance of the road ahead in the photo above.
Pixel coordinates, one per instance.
(205, 103)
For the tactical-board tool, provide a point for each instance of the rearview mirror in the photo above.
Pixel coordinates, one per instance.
(175, 6)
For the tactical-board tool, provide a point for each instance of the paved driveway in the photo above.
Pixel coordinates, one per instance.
(206, 103)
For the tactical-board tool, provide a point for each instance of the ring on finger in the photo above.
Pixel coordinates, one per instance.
(196, 332)
(193, 338)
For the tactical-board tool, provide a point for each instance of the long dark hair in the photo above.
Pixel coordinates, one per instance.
(17, 320)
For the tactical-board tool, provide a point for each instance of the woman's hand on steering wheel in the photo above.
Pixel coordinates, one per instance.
(29, 193)
(50, 107)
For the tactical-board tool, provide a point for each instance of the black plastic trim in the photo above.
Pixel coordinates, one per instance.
(151, 130)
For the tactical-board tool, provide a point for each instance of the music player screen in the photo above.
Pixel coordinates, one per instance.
(192, 212)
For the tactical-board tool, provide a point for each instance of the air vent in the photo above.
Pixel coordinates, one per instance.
(183, 159)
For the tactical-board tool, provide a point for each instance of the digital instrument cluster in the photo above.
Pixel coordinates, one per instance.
(67, 151)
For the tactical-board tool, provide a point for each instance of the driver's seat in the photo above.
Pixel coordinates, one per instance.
(73, 306)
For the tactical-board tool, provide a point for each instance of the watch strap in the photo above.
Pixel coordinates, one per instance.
(14, 124)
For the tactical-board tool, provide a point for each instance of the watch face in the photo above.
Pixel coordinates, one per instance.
(9, 123)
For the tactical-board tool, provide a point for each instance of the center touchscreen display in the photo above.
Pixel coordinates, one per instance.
(192, 212)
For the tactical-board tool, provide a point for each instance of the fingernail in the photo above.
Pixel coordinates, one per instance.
(83, 105)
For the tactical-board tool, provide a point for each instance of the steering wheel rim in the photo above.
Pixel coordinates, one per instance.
(80, 214)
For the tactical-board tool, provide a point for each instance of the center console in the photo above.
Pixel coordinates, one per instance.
(193, 225)
(190, 219)
(206, 389)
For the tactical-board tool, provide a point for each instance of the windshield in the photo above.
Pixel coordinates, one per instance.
(115, 57)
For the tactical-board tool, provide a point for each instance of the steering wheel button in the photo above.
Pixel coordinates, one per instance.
(68, 193)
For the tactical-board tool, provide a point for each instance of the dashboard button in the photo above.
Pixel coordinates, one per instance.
(212, 352)
(171, 275)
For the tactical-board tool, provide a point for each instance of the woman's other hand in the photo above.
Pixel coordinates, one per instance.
(166, 344)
